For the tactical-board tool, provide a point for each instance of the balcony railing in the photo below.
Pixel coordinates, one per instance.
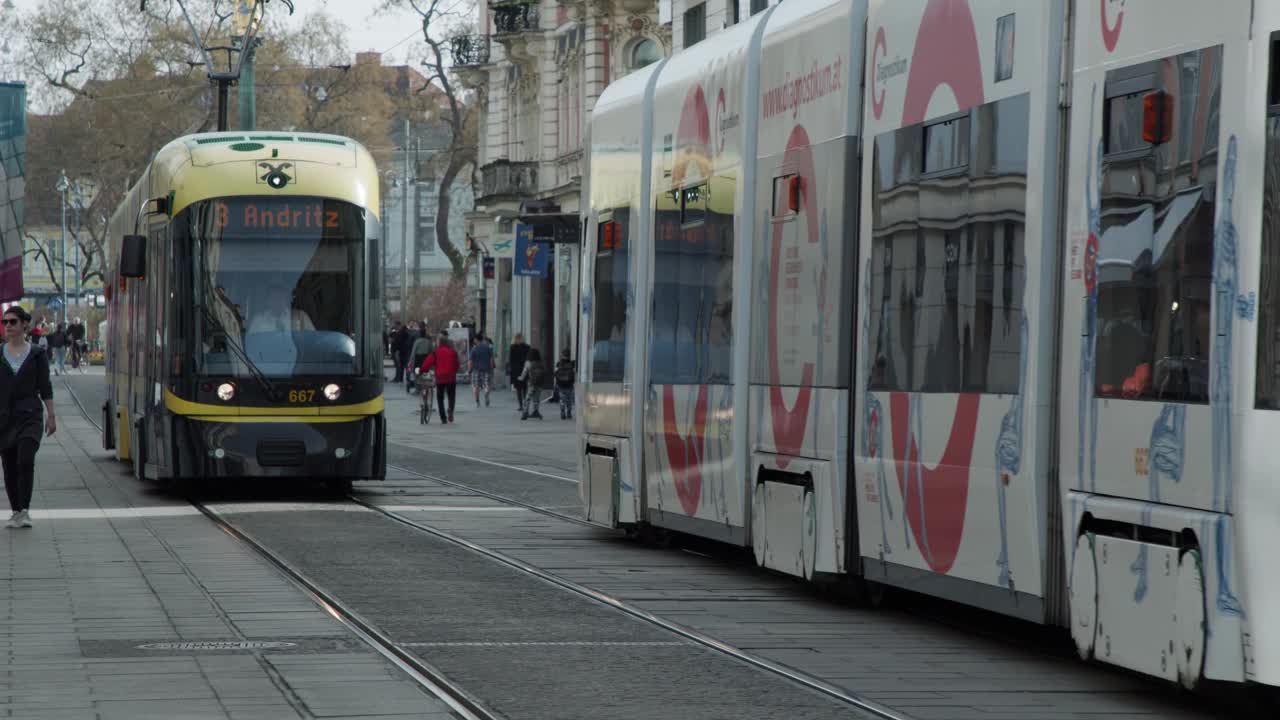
(514, 17)
(469, 50)
(503, 178)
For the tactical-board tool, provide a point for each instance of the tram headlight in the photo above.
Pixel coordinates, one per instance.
(332, 392)
(226, 391)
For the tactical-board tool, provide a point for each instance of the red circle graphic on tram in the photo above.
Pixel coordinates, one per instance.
(935, 499)
(946, 53)
(1111, 33)
(686, 450)
(789, 424)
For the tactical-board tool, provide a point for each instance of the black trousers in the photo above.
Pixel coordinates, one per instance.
(446, 392)
(19, 463)
(521, 387)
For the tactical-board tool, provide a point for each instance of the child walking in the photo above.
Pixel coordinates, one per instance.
(565, 372)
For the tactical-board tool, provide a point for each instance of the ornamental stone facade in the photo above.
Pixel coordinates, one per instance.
(537, 67)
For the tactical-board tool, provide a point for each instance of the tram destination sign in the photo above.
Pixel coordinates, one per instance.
(279, 217)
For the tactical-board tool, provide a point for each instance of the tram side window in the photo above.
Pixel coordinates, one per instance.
(609, 297)
(1154, 277)
(693, 285)
(947, 252)
(1268, 385)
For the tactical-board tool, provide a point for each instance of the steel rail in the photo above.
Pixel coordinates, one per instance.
(500, 498)
(426, 675)
(871, 708)
(436, 682)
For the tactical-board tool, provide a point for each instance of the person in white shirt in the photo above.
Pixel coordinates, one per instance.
(274, 312)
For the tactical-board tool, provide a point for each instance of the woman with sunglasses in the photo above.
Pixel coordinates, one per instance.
(26, 412)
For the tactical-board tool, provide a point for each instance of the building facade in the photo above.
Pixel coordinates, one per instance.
(539, 66)
(694, 20)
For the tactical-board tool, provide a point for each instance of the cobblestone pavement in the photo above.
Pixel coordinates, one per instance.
(926, 657)
(112, 600)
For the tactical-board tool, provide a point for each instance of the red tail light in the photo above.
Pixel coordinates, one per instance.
(793, 194)
(1157, 117)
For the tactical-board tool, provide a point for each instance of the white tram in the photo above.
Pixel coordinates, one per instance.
(978, 298)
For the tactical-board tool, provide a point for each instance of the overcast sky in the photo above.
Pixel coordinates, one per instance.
(368, 31)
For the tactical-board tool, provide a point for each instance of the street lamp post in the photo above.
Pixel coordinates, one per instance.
(404, 239)
(62, 187)
(393, 183)
(83, 192)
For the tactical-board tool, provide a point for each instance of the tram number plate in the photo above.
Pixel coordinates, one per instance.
(302, 396)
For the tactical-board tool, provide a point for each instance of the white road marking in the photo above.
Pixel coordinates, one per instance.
(118, 513)
(548, 643)
(491, 462)
(452, 508)
(113, 513)
(264, 507)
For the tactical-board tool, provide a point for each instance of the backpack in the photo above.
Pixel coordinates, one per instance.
(564, 373)
(536, 374)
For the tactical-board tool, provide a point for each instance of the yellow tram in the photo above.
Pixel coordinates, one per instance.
(244, 312)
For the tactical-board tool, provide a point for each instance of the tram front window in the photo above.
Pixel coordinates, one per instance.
(281, 294)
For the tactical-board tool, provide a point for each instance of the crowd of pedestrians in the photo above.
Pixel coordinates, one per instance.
(62, 342)
(414, 351)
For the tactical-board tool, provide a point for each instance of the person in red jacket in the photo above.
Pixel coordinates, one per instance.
(444, 359)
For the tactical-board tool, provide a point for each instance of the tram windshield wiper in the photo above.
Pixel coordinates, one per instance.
(239, 351)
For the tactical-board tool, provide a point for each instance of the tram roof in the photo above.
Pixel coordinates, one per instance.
(208, 165)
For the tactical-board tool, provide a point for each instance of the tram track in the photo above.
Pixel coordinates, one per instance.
(437, 683)
(870, 707)
(434, 682)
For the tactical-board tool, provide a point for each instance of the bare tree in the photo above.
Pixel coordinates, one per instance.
(457, 115)
(120, 84)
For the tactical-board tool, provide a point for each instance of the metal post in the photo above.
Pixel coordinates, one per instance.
(62, 186)
(404, 237)
(223, 86)
(76, 240)
(382, 255)
(248, 102)
(483, 301)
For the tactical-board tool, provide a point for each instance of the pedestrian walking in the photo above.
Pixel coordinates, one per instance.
(26, 401)
(566, 370)
(75, 341)
(444, 359)
(417, 353)
(516, 358)
(482, 365)
(58, 344)
(399, 338)
(406, 347)
(532, 376)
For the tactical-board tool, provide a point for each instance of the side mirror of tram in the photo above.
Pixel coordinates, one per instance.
(133, 256)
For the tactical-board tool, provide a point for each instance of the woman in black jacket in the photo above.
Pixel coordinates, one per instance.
(26, 412)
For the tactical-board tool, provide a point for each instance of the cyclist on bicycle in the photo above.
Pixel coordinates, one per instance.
(422, 346)
(482, 365)
(75, 337)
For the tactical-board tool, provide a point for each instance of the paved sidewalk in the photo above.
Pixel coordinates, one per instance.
(495, 433)
(110, 568)
(931, 660)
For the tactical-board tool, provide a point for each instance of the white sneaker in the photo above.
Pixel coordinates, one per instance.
(25, 519)
(15, 520)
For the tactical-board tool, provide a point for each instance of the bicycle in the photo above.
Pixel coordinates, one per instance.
(425, 385)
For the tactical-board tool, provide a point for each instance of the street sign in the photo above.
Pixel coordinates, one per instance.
(532, 258)
(488, 268)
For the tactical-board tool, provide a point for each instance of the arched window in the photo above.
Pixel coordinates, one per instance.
(645, 52)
